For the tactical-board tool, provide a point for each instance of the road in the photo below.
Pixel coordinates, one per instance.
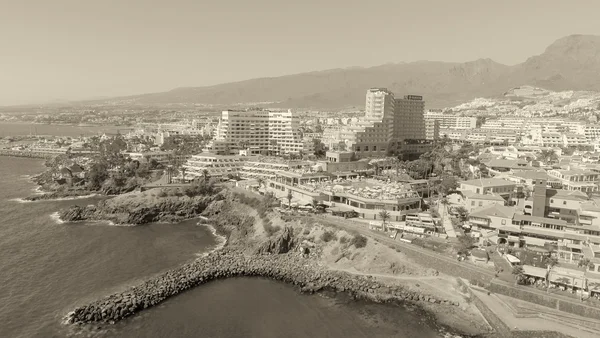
(350, 225)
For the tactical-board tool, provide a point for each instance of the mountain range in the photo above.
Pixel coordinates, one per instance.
(570, 63)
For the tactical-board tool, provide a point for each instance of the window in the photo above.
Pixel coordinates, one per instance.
(503, 222)
(564, 202)
(480, 203)
(472, 203)
(551, 201)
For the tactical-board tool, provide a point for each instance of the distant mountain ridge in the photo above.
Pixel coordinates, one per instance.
(570, 63)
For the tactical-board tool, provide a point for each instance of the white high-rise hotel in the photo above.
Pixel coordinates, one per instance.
(261, 132)
(388, 123)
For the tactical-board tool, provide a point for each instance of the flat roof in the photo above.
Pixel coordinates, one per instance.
(536, 219)
(488, 182)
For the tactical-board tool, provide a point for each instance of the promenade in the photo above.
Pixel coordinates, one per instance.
(474, 274)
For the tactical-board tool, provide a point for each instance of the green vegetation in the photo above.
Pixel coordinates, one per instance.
(328, 236)
(359, 241)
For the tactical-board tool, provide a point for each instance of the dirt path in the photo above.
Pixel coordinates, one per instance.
(380, 275)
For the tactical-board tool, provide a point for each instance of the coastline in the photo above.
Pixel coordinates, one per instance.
(246, 250)
(231, 262)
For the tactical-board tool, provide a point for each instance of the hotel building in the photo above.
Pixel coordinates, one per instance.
(261, 132)
(218, 166)
(388, 122)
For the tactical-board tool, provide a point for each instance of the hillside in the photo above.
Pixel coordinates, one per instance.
(570, 63)
(528, 101)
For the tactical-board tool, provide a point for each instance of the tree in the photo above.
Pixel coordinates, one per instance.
(384, 215)
(465, 243)
(97, 174)
(289, 197)
(586, 263)
(260, 181)
(315, 204)
(463, 213)
(206, 175)
(550, 261)
(519, 274)
(183, 169)
(319, 148)
(446, 184)
(548, 156)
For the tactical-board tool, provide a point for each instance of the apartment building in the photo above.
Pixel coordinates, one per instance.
(592, 132)
(575, 140)
(453, 134)
(552, 140)
(432, 129)
(576, 179)
(262, 132)
(451, 121)
(505, 124)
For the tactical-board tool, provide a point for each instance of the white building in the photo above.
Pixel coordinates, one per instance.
(262, 132)
(216, 165)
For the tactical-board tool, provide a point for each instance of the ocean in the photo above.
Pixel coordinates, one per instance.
(21, 128)
(47, 268)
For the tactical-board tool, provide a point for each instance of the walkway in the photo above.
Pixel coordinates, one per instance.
(446, 221)
(504, 313)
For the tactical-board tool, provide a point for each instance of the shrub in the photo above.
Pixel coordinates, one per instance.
(327, 236)
(306, 232)
(162, 193)
(359, 241)
(343, 240)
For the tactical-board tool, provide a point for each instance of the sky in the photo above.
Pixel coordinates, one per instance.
(83, 49)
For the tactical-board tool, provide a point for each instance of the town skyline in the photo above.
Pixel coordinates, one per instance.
(165, 47)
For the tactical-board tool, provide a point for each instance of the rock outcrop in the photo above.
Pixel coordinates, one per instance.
(283, 243)
(132, 209)
(232, 262)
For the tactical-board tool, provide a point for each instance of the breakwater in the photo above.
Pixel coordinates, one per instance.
(30, 154)
(232, 262)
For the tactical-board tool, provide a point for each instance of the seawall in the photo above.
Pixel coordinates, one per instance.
(231, 262)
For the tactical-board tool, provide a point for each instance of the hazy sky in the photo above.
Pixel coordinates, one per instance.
(75, 49)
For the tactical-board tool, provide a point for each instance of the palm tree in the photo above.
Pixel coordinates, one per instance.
(551, 261)
(444, 202)
(384, 215)
(183, 174)
(206, 175)
(519, 274)
(289, 197)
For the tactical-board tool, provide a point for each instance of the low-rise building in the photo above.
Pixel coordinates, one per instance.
(219, 166)
(502, 188)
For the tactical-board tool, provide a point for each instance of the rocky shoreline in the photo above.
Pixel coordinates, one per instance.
(57, 195)
(230, 262)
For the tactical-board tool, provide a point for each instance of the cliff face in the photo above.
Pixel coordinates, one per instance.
(141, 208)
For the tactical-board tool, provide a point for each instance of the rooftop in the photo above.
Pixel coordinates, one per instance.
(531, 174)
(536, 219)
(494, 210)
(488, 182)
(573, 195)
(365, 189)
(487, 197)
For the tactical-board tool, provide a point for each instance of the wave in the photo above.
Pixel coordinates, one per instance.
(221, 240)
(56, 218)
(38, 191)
(70, 198)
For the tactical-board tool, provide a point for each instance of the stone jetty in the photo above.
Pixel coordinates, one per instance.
(234, 262)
